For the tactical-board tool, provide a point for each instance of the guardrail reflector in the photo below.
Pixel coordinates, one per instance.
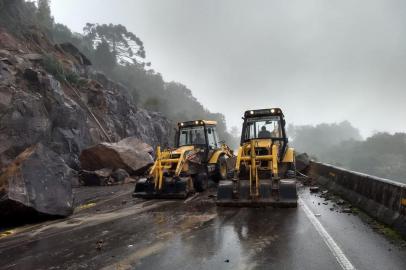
(403, 201)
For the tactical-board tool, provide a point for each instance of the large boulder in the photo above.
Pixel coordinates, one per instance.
(302, 162)
(37, 181)
(130, 154)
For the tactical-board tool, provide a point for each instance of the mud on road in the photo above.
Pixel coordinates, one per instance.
(112, 230)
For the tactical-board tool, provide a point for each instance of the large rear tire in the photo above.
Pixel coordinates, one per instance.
(221, 170)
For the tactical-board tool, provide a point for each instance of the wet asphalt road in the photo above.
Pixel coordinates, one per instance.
(119, 232)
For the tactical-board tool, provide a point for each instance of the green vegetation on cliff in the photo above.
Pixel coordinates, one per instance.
(120, 54)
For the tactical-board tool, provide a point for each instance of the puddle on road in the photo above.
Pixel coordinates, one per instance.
(185, 241)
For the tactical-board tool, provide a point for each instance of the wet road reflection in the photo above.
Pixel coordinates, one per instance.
(196, 235)
(245, 239)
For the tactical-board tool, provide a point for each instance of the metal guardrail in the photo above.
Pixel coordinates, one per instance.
(381, 198)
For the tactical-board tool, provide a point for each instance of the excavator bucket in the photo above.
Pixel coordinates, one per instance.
(172, 188)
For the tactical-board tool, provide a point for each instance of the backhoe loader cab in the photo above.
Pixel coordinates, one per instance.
(264, 172)
(198, 156)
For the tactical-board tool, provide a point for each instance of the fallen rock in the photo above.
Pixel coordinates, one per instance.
(314, 189)
(346, 210)
(340, 202)
(95, 178)
(120, 175)
(302, 162)
(37, 182)
(129, 154)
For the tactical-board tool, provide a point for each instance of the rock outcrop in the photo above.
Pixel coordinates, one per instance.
(66, 116)
(38, 180)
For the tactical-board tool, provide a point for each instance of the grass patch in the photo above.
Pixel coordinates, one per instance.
(55, 67)
(391, 234)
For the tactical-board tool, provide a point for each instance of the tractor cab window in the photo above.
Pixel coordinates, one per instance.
(192, 136)
(212, 137)
(263, 128)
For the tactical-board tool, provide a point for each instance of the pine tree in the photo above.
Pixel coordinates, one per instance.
(44, 18)
(103, 57)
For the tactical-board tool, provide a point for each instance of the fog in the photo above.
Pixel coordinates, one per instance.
(320, 61)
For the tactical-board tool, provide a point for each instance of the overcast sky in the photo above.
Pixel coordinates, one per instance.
(320, 61)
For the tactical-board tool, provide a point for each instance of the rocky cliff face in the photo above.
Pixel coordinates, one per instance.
(82, 109)
(52, 106)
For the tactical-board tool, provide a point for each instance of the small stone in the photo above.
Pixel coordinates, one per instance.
(227, 261)
(31, 75)
(99, 244)
(314, 189)
(340, 202)
(33, 56)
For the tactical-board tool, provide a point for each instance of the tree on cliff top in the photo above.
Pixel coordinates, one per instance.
(44, 18)
(125, 46)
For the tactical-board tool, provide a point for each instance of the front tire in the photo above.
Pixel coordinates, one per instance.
(220, 172)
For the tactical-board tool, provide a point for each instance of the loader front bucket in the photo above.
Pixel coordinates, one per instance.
(172, 188)
(288, 192)
(237, 194)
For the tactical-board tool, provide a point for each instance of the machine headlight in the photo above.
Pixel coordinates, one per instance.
(251, 112)
(196, 122)
(181, 124)
(272, 110)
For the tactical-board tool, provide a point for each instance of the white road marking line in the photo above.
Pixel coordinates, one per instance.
(332, 245)
(191, 198)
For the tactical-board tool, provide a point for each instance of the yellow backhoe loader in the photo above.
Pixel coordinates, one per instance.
(265, 167)
(198, 156)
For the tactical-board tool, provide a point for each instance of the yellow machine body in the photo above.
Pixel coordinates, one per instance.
(192, 164)
(264, 170)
